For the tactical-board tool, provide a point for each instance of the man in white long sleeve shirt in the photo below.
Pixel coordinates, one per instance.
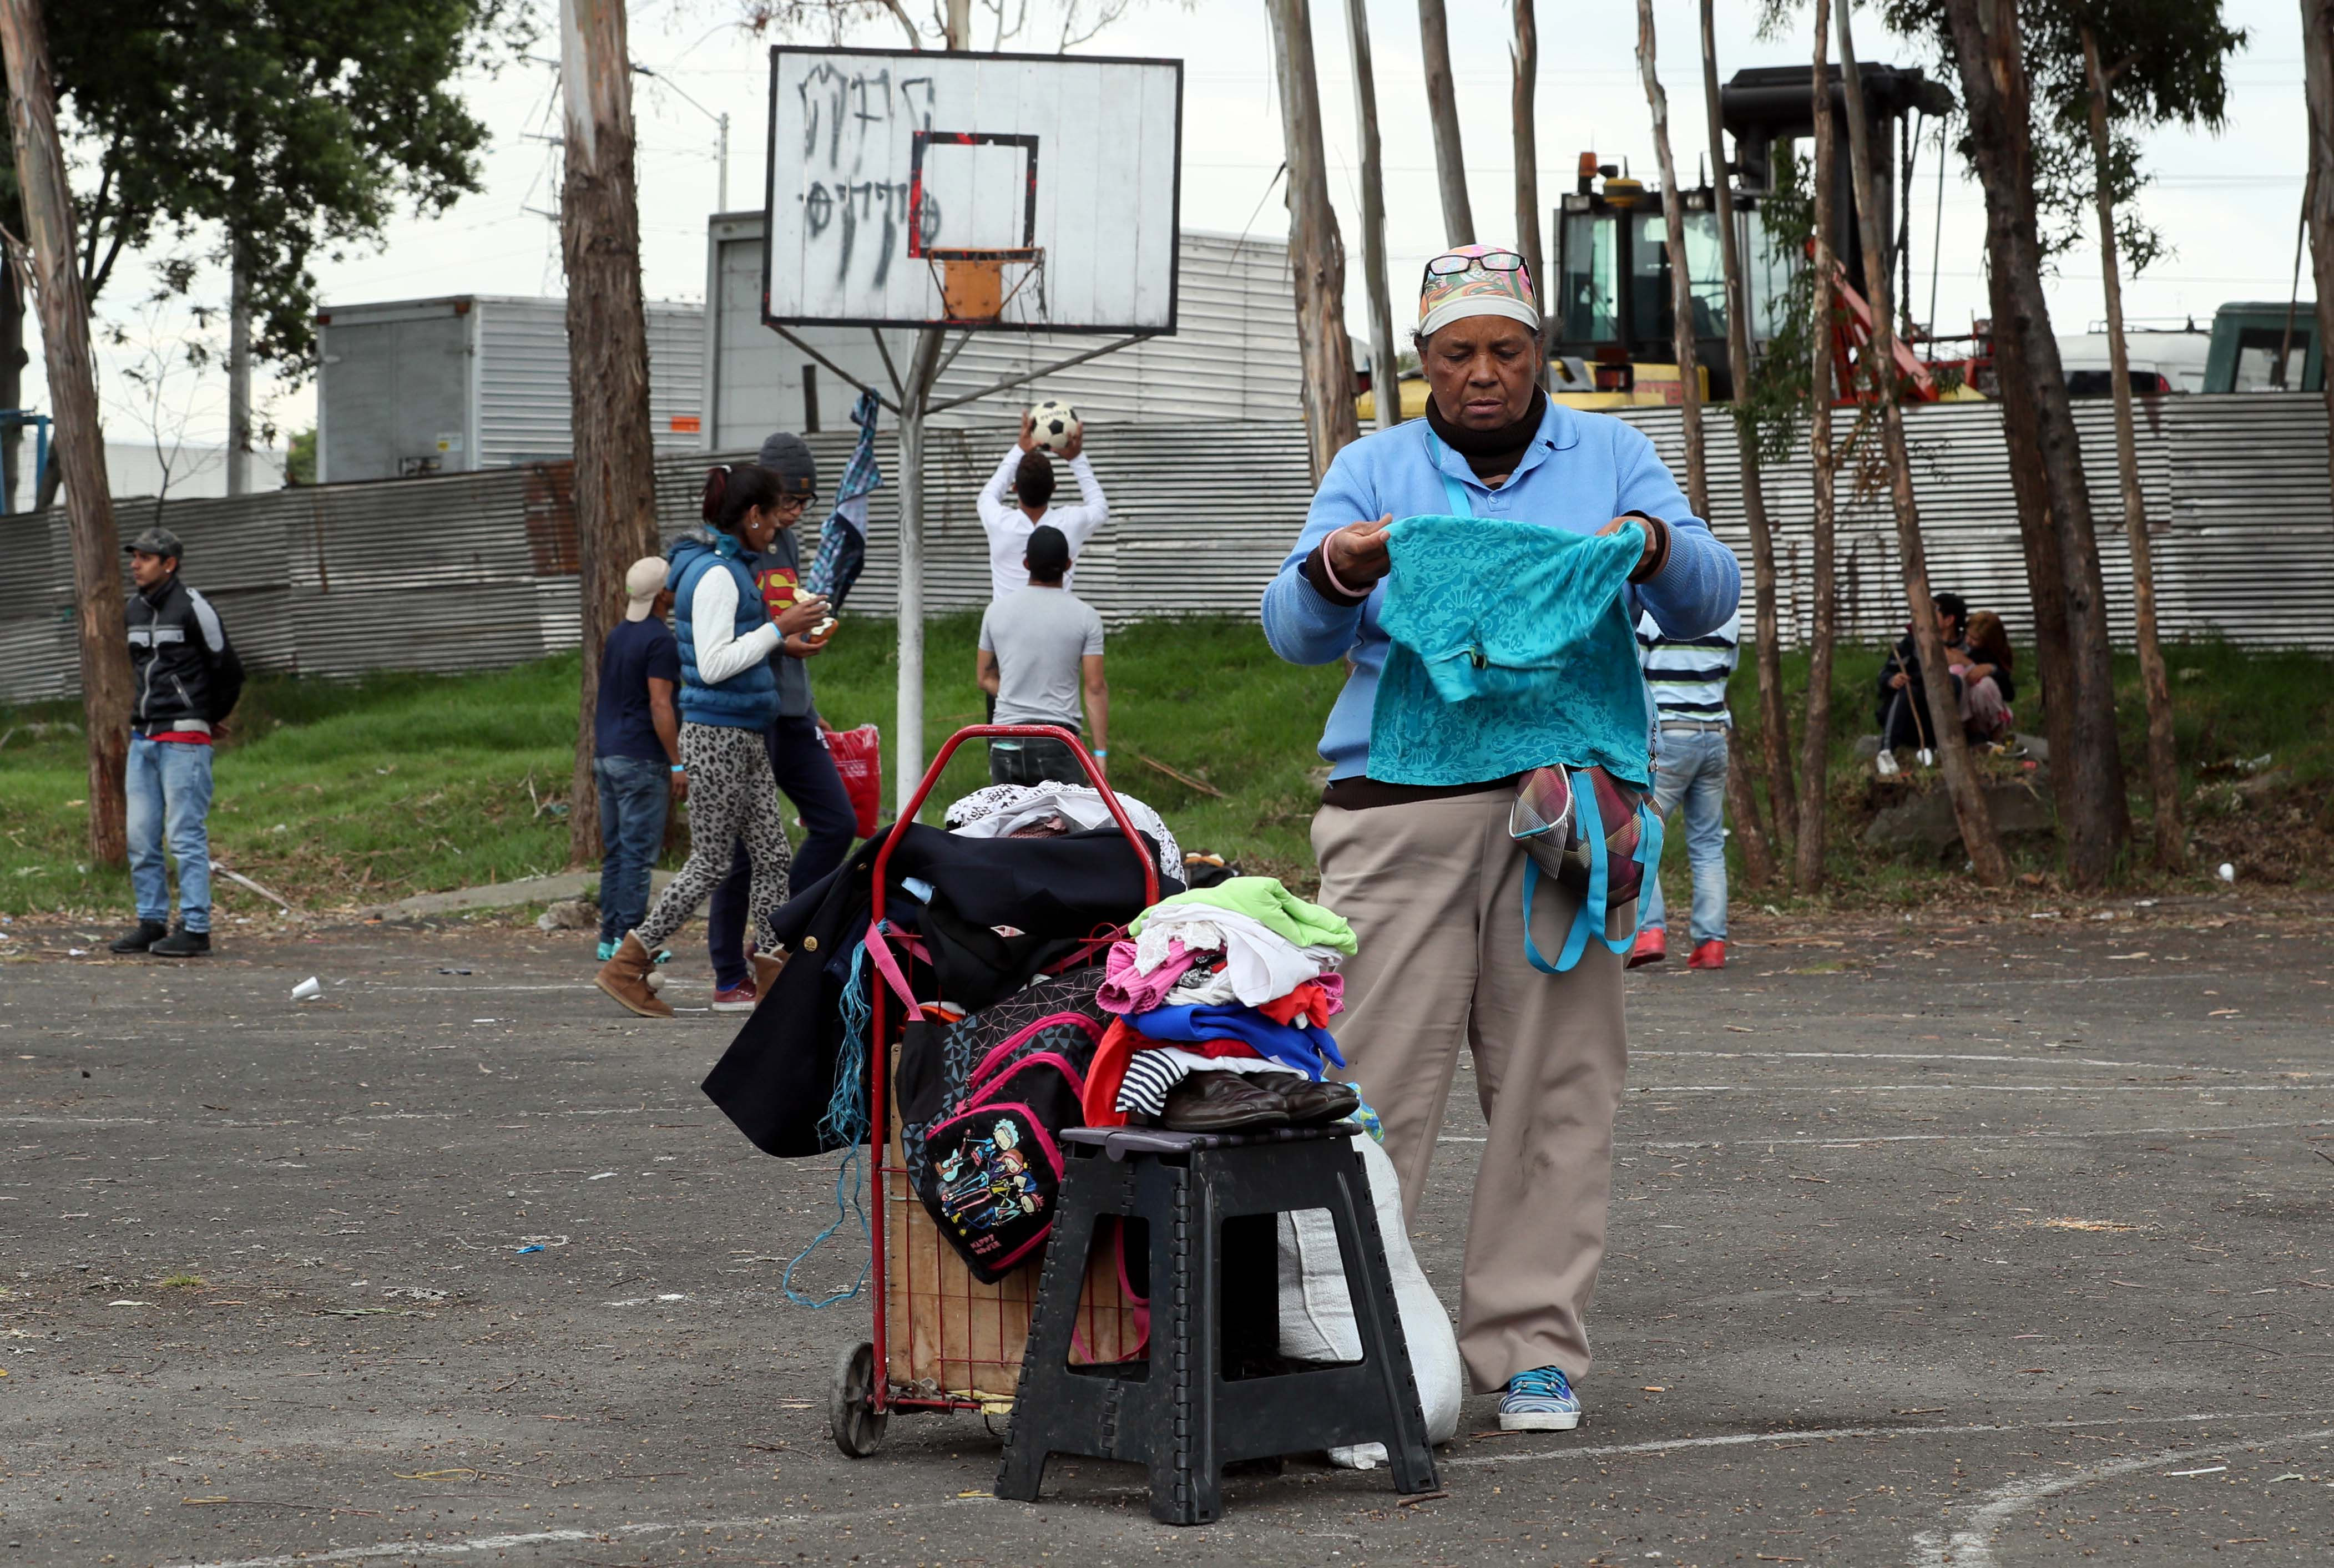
(1018, 497)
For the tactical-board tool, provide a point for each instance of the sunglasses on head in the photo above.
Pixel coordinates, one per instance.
(1495, 261)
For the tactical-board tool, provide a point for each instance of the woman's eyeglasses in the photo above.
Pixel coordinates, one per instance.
(1495, 261)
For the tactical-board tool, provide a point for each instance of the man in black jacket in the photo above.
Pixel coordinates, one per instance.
(184, 678)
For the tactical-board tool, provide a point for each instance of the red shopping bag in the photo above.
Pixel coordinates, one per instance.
(858, 757)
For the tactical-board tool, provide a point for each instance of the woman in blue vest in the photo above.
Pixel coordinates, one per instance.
(1428, 874)
(728, 699)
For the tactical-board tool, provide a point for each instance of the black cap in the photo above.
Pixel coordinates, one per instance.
(155, 540)
(1048, 552)
(788, 455)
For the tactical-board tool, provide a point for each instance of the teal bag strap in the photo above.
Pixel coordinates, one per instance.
(1591, 917)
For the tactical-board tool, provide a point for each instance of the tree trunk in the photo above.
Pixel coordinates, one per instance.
(1523, 55)
(79, 456)
(1815, 737)
(1742, 801)
(1315, 253)
(238, 373)
(608, 357)
(1970, 812)
(2163, 761)
(1767, 631)
(1386, 360)
(1442, 109)
(1988, 52)
(13, 360)
(2317, 72)
(1697, 466)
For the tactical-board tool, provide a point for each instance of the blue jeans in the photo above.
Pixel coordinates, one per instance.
(1693, 770)
(805, 775)
(1043, 760)
(634, 795)
(168, 784)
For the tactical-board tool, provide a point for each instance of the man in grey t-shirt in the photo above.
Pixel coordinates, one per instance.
(1039, 648)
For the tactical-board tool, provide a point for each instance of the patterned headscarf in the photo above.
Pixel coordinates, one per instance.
(1477, 292)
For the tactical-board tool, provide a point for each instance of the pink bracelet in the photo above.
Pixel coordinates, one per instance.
(1330, 572)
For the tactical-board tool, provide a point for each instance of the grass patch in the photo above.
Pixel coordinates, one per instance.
(185, 1282)
(341, 793)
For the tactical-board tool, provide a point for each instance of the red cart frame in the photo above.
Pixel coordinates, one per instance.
(864, 1394)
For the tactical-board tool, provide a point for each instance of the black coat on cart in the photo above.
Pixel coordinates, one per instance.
(777, 1077)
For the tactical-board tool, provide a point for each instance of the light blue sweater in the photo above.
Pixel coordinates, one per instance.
(1582, 471)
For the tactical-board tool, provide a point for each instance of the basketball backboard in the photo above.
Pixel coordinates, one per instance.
(1029, 192)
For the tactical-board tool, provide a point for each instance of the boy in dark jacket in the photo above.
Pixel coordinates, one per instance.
(184, 678)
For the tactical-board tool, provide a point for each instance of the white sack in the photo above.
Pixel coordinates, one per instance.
(1317, 1313)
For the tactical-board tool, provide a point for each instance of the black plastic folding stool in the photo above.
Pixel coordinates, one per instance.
(1176, 1412)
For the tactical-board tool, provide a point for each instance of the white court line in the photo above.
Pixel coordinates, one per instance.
(478, 1543)
(1936, 1056)
(1976, 1088)
(1971, 1547)
(473, 990)
(1818, 1434)
(565, 1537)
(2035, 1137)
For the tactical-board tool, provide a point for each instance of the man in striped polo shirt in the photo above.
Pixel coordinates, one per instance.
(1688, 677)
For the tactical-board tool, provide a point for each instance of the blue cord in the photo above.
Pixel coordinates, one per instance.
(846, 1123)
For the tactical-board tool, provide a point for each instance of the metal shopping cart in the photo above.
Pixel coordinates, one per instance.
(943, 1341)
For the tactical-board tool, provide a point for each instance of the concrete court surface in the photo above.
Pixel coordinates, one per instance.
(1990, 1240)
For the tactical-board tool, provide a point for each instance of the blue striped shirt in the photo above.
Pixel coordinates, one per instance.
(1688, 675)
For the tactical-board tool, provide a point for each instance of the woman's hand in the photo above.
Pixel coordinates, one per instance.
(1356, 554)
(801, 616)
(1653, 541)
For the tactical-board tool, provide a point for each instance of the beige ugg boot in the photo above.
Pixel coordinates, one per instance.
(765, 969)
(627, 978)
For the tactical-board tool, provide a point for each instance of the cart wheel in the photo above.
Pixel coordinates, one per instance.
(851, 1413)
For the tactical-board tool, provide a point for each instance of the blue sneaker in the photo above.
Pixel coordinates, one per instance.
(1539, 1400)
(608, 951)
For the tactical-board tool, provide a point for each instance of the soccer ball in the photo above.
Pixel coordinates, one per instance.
(1056, 425)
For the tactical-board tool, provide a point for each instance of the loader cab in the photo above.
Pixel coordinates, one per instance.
(1613, 327)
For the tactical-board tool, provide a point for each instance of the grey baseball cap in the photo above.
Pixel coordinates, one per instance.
(155, 540)
(788, 455)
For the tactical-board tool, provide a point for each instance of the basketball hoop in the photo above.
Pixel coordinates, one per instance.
(973, 284)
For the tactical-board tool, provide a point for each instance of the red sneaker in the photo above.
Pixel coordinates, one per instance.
(1710, 955)
(739, 998)
(1653, 946)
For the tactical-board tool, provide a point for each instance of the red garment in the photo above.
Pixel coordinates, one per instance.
(1119, 1045)
(182, 737)
(1309, 1001)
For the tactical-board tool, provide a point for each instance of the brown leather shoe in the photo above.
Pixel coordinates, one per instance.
(1221, 1102)
(626, 975)
(765, 969)
(1311, 1104)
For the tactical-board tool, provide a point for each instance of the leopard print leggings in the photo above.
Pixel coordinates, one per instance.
(731, 796)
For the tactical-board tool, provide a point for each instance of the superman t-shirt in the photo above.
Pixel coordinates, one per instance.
(778, 571)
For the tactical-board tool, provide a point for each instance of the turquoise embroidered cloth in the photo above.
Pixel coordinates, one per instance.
(1511, 649)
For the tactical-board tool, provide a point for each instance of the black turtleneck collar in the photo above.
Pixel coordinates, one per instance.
(1491, 452)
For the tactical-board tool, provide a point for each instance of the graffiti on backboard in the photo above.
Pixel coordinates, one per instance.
(858, 212)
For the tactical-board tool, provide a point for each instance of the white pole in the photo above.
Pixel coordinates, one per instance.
(724, 205)
(908, 740)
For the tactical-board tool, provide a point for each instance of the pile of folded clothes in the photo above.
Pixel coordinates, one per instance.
(1222, 1002)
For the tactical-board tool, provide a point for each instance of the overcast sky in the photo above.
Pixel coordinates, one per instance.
(2227, 205)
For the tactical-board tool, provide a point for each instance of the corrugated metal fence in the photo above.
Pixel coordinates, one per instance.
(475, 571)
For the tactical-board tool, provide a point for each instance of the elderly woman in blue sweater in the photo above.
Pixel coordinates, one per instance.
(1428, 875)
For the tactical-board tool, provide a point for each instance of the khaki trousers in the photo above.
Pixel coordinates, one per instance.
(1434, 892)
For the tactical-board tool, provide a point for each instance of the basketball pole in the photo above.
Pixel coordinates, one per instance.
(907, 723)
